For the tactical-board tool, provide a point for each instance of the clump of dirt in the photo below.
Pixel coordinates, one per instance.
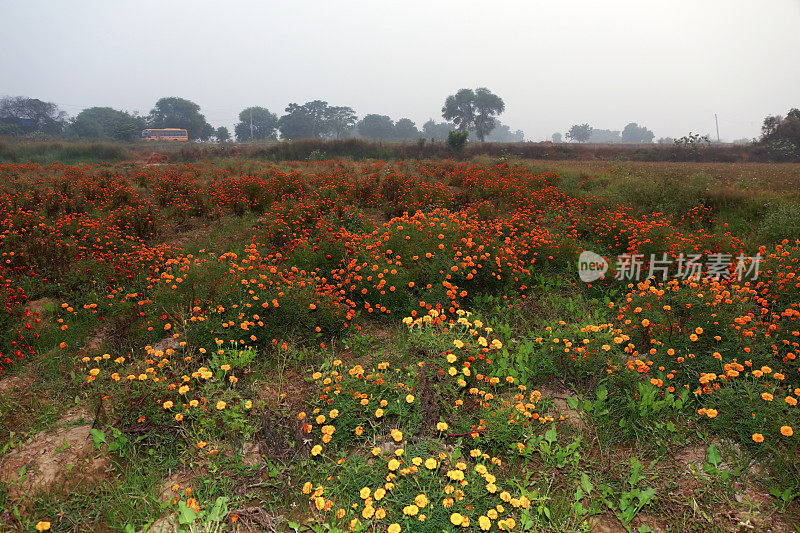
(56, 460)
(17, 382)
(559, 394)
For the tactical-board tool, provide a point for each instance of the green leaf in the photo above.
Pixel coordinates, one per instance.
(185, 514)
(98, 437)
(713, 456)
(572, 402)
(586, 483)
(550, 435)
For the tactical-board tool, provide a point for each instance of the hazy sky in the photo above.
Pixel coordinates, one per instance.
(668, 65)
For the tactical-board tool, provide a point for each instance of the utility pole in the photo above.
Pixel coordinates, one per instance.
(251, 124)
(717, 123)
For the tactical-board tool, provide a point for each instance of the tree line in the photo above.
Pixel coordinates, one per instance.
(473, 112)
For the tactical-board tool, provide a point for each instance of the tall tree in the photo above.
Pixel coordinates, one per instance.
(633, 133)
(107, 123)
(20, 114)
(315, 120)
(580, 133)
(437, 131)
(341, 121)
(222, 134)
(556, 137)
(406, 130)
(376, 127)
(174, 112)
(473, 110)
(265, 124)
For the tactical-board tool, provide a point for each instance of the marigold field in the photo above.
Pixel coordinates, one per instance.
(398, 346)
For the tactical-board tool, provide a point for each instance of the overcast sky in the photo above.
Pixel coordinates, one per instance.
(668, 65)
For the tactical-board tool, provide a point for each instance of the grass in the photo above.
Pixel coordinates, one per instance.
(278, 294)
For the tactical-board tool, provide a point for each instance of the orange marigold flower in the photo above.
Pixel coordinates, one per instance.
(787, 431)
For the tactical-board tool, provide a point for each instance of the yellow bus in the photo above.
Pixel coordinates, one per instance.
(166, 134)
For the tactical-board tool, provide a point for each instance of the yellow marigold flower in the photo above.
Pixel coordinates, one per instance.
(790, 400)
(416, 461)
(410, 510)
(42, 525)
(394, 528)
(376, 450)
(359, 430)
(365, 492)
(380, 513)
(368, 512)
(248, 404)
(334, 413)
(491, 487)
(202, 444)
(307, 487)
(421, 500)
(410, 398)
(221, 405)
(431, 463)
(458, 344)
(225, 367)
(484, 522)
(766, 396)
(507, 525)
(711, 413)
(193, 403)
(319, 503)
(787, 431)
(456, 518)
(393, 464)
(492, 513)
(397, 435)
(379, 494)
(451, 358)
(442, 426)
(378, 412)
(183, 389)
(168, 404)
(447, 503)
(316, 450)
(179, 417)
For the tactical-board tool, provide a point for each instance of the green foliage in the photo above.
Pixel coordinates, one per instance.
(473, 110)
(457, 140)
(580, 132)
(173, 112)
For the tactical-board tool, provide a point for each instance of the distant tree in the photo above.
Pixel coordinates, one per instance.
(556, 137)
(20, 114)
(315, 120)
(743, 140)
(265, 124)
(473, 110)
(207, 132)
(783, 130)
(604, 136)
(406, 130)
(222, 134)
(666, 140)
(377, 127)
(770, 125)
(437, 131)
(633, 133)
(106, 123)
(501, 134)
(341, 121)
(174, 112)
(580, 133)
